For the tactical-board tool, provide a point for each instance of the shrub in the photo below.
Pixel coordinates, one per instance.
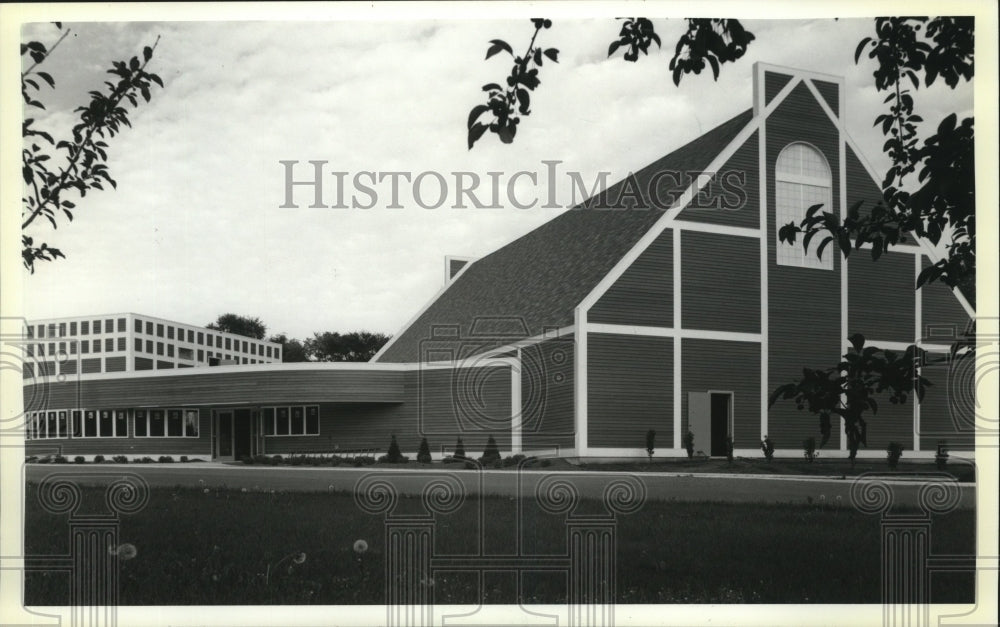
(30, 459)
(120, 459)
(166, 459)
(513, 460)
(893, 452)
(393, 455)
(809, 449)
(545, 463)
(184, 459)
(98, 459)
(491, 453)
(424, 453)
(79, 459)
(941, 457)
(767, 446)
(59, 459)
(366, 460)
(146, 460)
(471, 465)
(260, 459)
(729, 448)
(459, 449)
(650, 444)
(688, 442)
(246, 459)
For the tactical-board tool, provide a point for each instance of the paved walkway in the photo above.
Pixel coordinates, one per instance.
(657, 486)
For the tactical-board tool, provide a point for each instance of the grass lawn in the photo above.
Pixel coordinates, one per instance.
(232, 547)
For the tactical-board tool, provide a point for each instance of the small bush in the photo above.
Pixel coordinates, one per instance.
(146, 460)
(688, 442)
(424, 453)
(260, 459)
(459, 449)
(893, 452)
(59, 459)
(367, 460)
(79, 459)
(246, 459)
(184, 459)
(941, 457)
(545, 463)
(30, 459)
(491, 453)
(166, 459)
(809, 449)
(120, 459)
(767, 446)
(471, 465)
(98, 459)
(513, 460)
(650, 444)
(450, 460)
(729, 448)
(393, 455)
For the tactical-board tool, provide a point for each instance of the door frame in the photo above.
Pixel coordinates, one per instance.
(731, 422)
(232, 432)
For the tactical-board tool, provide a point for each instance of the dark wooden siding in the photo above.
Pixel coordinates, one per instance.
(471, 402)
(643, 295)
(727, 367)
(803, 303)
(942, 316)
(736, 188)
(629, 390)
(720, 282)
(948, 411)
(773, 83)
(547, 418)
(831, 94)
(880, 296)
(352, 427)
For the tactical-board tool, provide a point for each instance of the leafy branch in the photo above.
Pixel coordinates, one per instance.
(85, 157)
(508, 105)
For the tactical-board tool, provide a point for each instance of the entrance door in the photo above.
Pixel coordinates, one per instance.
(225, 437)
(721, 405)
(242, 434)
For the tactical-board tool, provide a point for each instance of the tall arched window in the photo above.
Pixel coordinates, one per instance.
(801, 180)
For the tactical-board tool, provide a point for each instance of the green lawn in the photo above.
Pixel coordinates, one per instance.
(227, 547)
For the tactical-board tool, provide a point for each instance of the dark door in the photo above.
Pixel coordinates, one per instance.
(225, 434)
(242, 434)
(720, 424)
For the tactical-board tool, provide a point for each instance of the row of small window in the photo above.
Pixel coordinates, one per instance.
(70, 348)
(71, 329)
(162, 349)
(111, 423)
(294, 420)
(201, 338)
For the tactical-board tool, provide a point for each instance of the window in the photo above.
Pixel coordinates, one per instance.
(201, 355)
(138, 325)
(72, 328)
(138, 345)
(170, 350)
(85, 346)
(90, 423)
(109, 326)
(52, 330)
(229, 344)
(109, 345)
(72, 348)
(62, 329)
(121, 343)
(190, 335)
(801, 179)
(170, 333)
(149, 328)
(201, 338)
(121, 325)
(245, 349)
(41, 330)
(185, 353)
(159, 330)
(159, 348)
(218, 341)
(294, 420)
(96, 345)
(171, 422)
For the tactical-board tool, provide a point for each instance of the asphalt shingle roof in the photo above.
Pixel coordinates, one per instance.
(535, 282)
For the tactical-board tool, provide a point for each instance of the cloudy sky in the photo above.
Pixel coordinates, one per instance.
(195, 228)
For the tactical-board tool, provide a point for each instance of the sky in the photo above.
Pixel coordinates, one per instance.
(195, 228)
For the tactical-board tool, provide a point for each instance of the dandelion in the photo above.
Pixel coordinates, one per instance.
(124, 551)
(360, 546)
(822, 498)
(243, 489)
(299, 559)
(207, 490)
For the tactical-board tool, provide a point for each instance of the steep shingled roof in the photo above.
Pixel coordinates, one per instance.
(535, 282)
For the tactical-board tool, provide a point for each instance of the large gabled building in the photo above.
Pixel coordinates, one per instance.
(665, 302)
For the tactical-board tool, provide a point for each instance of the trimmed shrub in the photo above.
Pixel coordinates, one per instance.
(545, 463)
(79, 459)
(513, 460)
(145, 460)
(98, 459)
(120, 459)
(459, 449)
(166, 459)
(809, 449)
(491, 453)
(59, 459)
(471, 465)
(893, 452)
(767, 446)
(424, 453)
(184, 459)
(393, 455)
(650, 444)
(688, 442)
(941, 457)
(246, 459)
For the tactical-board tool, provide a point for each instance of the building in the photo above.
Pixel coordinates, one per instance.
(676, 310)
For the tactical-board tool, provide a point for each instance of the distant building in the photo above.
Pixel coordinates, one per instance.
(680, 314)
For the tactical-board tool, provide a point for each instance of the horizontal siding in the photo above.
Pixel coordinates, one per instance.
(774, 82)
(948, 411)
(629, 390)
(725, 367)
(471, 402)
(293, 386)
(892, 423)
(880, 297)
(345, 427)
(830, 93)
(547, 417)
(732, 197)
(720, 282)
(942, 316)
(643, 295)
(803, 303)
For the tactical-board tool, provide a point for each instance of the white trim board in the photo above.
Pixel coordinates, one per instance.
(695, 334)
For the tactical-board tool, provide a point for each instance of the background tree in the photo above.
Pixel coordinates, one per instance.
(59, 172)
(940, 204)
(240, 325)
(292, 350)
(353, 346)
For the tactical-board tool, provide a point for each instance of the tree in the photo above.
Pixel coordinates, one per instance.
(940, 204)
(58, 172)
(240, 325)
(292, 350)
(353, 346)
(424, 452)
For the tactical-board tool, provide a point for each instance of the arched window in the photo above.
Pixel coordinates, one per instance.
(801, 180)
